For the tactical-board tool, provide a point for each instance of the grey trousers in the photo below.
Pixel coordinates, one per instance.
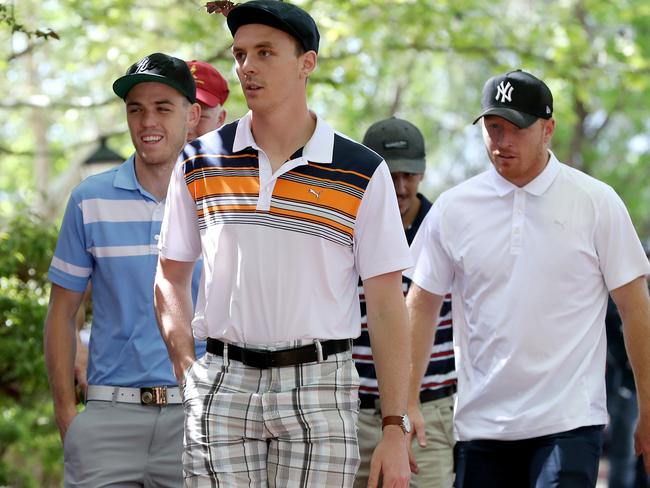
(124, 445)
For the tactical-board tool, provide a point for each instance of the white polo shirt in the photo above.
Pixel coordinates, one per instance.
(282, 251)
(529, 269)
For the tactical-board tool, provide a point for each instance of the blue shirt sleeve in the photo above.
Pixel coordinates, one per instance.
(72, 263)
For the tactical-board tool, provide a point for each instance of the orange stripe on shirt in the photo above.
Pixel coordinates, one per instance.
(318, 196)
(224, 185)
(213, 209)
(338, 182)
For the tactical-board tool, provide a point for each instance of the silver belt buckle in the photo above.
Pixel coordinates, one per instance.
(319, 350)
(153, 395)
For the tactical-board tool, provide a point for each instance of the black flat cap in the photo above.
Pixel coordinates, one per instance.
(280, 15)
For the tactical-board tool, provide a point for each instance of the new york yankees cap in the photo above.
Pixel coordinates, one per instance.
(211, 86)
(281, 15)
(158, 68)
(518, 97)
(399, 142)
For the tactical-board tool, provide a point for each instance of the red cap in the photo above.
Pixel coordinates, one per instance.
(211, 87)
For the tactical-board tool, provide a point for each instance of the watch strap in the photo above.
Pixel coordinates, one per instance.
(392, 420)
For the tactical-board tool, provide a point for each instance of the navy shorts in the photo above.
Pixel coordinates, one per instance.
(563, 460)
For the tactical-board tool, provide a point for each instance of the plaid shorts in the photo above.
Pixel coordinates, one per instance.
(292, 426)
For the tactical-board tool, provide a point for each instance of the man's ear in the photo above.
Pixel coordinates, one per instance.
(308, 62)
(222, 117)
(549, 129)
(193, 115)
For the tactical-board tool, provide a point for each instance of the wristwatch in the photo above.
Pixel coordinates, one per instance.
(401, 420)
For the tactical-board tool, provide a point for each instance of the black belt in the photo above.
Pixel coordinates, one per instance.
(369, 401)
(258, 358)
(437, 394)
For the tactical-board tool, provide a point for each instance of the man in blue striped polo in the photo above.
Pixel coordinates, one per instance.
(131, 431)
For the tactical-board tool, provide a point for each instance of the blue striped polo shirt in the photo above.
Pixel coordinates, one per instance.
(109, 235)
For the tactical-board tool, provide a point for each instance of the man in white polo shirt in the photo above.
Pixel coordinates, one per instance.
(287, 214)
(530, 250)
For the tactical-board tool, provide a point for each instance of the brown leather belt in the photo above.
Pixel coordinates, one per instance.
(258, 358)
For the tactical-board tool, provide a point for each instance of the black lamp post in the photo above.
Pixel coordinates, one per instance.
(101, 159)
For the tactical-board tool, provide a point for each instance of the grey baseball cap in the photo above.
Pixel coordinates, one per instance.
(399, 142)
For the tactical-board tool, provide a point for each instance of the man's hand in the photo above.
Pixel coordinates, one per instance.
(81, 364)
(418, 432)
(64, 417)
(642, 441)
(390, 460)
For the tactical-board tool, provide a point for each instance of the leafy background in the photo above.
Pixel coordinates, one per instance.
(422, 60)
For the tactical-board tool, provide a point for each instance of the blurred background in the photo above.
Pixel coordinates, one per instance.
(425, 61)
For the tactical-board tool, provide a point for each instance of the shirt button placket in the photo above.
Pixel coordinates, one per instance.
(516, 237)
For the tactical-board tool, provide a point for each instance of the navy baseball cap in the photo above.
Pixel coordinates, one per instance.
(159, 68)
(518, 97)
(281, 15)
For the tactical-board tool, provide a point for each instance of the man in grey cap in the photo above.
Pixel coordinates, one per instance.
(401, 144)
(131, 430)
(530, 250)
(287, 214)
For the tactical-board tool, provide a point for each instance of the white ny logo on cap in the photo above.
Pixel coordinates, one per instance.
(504, 91)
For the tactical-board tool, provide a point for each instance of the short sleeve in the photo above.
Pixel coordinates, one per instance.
(180, 238)
(72, 263)
(433, 270)
(379, 239)
(620, 252)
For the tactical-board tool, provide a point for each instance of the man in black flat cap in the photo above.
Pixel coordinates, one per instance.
(287, 214)
(131, 430)
(530, 248)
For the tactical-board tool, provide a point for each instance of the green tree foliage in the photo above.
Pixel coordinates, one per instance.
(8, 18)
(423, 60)
(29, 441)
(419, 59)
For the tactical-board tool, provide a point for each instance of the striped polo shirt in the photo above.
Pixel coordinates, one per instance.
(440, 377)
(109, 235)
(283, 251)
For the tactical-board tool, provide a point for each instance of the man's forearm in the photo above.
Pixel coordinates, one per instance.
(423, 309)
(173, 304)
(392, 356)
(60, 349)
(390, 341)
(634, 309)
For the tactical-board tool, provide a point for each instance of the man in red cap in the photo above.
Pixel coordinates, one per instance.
(211, 93)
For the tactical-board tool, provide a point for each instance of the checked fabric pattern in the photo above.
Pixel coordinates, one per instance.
(291, 426)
